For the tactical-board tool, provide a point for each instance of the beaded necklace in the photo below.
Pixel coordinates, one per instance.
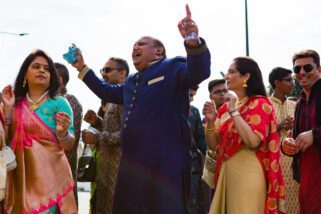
(35, 104)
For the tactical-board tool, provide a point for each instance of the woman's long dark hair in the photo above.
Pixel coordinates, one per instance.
(54, 83)
(255, 84)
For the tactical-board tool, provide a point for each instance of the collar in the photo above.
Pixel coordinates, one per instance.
(153, 62)
(313, 90)
(278, 101)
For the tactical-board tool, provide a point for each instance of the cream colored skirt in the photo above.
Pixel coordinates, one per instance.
(241, 186)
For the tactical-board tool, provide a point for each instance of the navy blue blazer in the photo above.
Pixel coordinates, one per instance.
(154, 171)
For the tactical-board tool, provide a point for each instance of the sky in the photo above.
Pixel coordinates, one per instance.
(102, 29)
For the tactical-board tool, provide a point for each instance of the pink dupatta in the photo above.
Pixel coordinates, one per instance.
(43, 177)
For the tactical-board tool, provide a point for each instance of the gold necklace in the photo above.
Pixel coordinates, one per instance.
(241, 101)
(34, 105)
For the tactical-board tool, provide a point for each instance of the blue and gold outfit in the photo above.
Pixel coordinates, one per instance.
(154, 172)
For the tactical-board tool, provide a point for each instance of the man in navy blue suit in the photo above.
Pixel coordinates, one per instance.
(154, 173)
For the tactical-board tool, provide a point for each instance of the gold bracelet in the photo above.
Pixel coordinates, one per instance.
(209, 131)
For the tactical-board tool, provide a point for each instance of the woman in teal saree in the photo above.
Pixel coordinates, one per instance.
(39, 132)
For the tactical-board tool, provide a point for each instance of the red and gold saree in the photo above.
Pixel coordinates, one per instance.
(258, 113)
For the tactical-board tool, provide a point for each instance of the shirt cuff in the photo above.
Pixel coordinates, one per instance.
(196, 50)
(83, 72)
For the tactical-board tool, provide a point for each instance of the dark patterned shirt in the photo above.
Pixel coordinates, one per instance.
(77, 120)
(310, 165)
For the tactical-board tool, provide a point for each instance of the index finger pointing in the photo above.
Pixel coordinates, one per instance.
(188, 12)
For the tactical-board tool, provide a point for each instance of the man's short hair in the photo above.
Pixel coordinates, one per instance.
(63, 72)
(305, 54)
(278, 73)
(159, 43)
(122, 64)
(214, 83)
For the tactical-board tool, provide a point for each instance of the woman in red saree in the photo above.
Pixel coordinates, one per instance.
(39, 127)
(248, 176)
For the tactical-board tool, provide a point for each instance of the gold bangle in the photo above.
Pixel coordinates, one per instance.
(206, 126)
(209, 131)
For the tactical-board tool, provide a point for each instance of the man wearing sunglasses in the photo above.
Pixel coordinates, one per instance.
(107, 141)
(282, 84)
(154, 172)
(305, 145)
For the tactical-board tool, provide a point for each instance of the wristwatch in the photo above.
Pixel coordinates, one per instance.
(192, 36)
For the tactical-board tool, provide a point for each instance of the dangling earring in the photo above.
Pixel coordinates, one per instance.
(244, 84)
(24, 83)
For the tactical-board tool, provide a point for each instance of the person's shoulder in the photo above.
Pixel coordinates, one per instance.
(70, 96)
(130, 76)
(194, 109)
(291, 102)
(59, 99)
(177, 59)
(261, 103)
(257, 101)
(260, 99)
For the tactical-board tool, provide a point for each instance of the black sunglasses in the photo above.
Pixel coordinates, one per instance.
(307, 68)
(107, 70)
(220, 91)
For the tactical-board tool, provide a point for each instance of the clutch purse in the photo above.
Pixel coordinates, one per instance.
(10, 157)
(209, 169)
(86, 168)
(6, 152)
(3, 178)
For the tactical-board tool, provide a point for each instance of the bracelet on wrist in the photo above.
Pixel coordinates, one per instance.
(192, 36)
(7, 120)
(231, 112)
(235, 113)
(210, 131)
(67, 137)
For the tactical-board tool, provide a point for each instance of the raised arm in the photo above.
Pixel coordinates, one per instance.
(198, 55)
(8, 99)
(103, 90)
(211, 134)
